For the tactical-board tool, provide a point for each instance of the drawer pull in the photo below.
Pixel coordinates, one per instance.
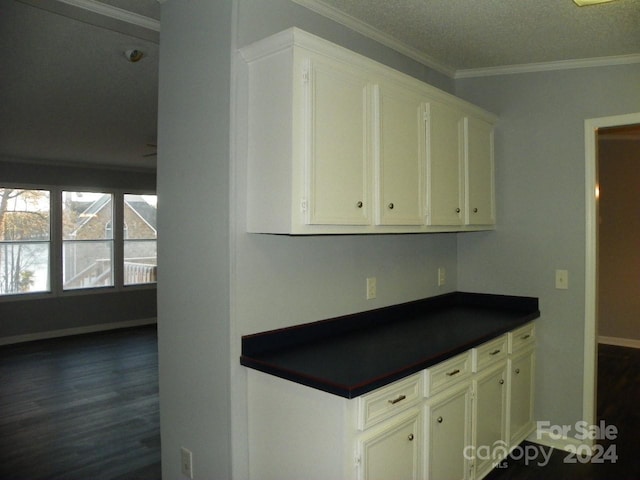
(410, 437)
(455, 372)
(495, 352)
(439, 420)
(524, 337)
(397, 399)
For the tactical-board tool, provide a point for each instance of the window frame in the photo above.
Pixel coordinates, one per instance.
(56, 243)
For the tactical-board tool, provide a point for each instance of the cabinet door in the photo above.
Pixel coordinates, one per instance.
(489, 419)
(393, 450)
(400, 157)
(338, 143)
(448, 433)
(446, 164)
(521, 390)
(480, 209)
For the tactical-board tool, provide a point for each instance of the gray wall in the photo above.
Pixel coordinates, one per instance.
(222, 287)
(193, 236)
(619, 240)
(540, 184)
(227, 283)
(34, 317)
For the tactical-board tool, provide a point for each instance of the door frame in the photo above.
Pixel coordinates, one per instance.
(591, 126)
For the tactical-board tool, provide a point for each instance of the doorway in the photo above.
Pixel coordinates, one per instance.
(592, 128)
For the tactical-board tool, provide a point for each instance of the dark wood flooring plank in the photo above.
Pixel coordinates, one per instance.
(618, 396)
(81, 407)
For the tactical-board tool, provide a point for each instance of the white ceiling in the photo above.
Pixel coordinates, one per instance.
(472, 37)
(68, 94)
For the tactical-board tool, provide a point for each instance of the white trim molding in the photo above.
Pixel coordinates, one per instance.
(591, 126)
(65, 332)
(375, 34)
(548, 439)
(619, 342)
(387, 40)
(548, 66)
(116, 13)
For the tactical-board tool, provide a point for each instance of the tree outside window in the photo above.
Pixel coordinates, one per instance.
(25, 225)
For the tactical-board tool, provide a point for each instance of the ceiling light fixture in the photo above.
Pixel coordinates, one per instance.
(134, 55)
(584, 3)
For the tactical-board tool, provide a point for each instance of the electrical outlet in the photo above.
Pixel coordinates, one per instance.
(186, 462)
(371, 288)
(442, 276)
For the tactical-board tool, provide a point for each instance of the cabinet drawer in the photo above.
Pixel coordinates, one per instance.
(489, 353)
(385, 402)
(447, 373)
(522, 337)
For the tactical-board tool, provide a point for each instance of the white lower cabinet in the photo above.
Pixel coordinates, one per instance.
(392, 450)
(448, 433)
(454, 420)
(490, 419)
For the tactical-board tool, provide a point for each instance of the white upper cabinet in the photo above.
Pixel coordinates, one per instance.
(401, 162)
(338, 147)
(480, 203)
(338, 143)
(446, 165)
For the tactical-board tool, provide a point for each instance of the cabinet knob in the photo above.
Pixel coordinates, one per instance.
(517, 371)
(457, 210)
(359, 204)
(475, 210)
(410, 437)
(439, 419)
(391, 206)
(501, 381)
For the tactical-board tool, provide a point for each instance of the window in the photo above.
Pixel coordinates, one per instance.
(87, 240)
(55, 240)
(24, 241)
(140, 258)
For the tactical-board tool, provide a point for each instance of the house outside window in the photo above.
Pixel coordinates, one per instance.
(56, 241)
(25, 240)
(140, 239)
(87, 243)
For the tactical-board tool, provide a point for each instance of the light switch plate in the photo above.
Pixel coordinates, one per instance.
(562, 279)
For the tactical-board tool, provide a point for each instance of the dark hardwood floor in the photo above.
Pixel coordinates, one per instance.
(86, 407)
(618, 403)
(83, 407)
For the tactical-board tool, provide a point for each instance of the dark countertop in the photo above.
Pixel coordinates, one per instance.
(352, 355)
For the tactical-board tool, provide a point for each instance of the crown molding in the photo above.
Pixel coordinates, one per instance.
(115, 13)
(375, 34)
(548, 66)
(387, 40)
(102, 15)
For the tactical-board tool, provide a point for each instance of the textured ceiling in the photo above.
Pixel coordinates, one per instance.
(67, 93)
(476, 34)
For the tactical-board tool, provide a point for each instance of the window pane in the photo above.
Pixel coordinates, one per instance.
(24, 267)
(24, 241)
(140, 265)
(87, 216)
(140, 233)
(87, 229)
(87, 264)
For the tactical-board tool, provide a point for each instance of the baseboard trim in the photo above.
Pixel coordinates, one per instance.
(544, 437)
(65, 332)
(619, 342)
